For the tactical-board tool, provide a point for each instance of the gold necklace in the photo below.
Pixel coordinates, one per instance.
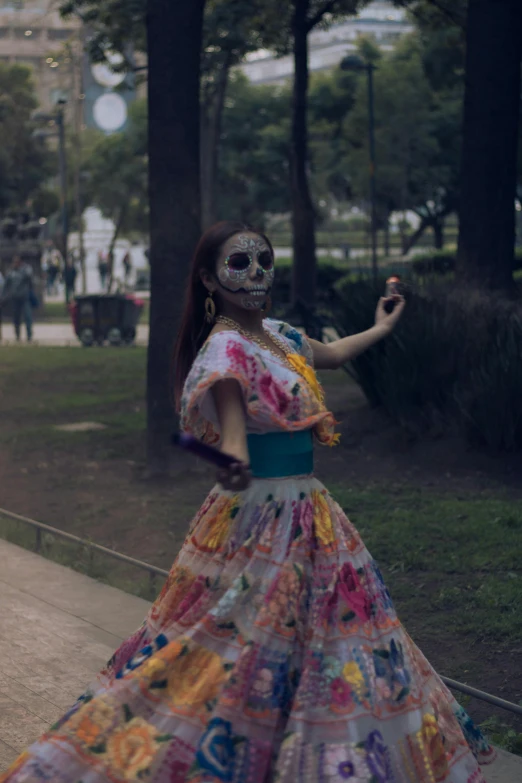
(222, 319)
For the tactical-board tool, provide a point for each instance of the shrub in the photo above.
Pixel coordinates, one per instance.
(327, 275)
(455, 360)
(442, 262)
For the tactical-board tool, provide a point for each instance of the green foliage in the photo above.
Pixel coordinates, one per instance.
(113, 25)
(502, 735)
(116, 170)
(454, 362)
(24, 160)
(327, 276)
(443, 262)
(417, 132)
(253, 176)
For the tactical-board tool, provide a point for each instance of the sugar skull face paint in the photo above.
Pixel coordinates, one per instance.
(245, 270)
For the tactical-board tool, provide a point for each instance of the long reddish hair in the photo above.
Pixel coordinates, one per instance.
(194, 328)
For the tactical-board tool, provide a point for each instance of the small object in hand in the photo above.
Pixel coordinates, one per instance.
(393, 286)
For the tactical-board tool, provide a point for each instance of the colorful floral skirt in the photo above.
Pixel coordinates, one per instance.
(273, 653)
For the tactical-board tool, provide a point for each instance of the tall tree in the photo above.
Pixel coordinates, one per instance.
(232, 28)
(490, 141)
(174, 33)
(253, 175)
(306, 16)
(24, 161)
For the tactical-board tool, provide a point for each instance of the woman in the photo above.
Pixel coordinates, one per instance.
(273, 652)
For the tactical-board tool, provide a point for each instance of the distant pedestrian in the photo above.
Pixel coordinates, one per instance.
(127, 267)
(110, 268)
(18, 291)
(103, 269)
(52, 263)
(69, 279)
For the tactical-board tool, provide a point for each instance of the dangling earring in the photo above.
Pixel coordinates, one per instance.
(267, 305)
(210, 308)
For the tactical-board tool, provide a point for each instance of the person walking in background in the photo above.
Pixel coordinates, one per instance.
(103, 269)
(18, 290)
(69, 279)
(52, 263)
(110, 269)
(127, 267)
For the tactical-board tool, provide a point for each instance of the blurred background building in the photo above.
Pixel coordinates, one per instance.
(379, 21)
(32, 33)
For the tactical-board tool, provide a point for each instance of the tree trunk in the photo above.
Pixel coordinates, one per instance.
(303, 213)
(117, 228)
(410, 242)
(211, 123)
(174, 32)
(489, 151)
(438, 233)
(387, 236)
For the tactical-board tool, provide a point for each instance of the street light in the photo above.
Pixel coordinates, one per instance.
(59, 121)
(354, 63)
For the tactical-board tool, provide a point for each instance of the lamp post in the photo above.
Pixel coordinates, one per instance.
(354, 63)
(58, 120)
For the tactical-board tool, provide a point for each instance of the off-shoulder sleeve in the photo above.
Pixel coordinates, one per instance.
(226, 355)
(298, 340)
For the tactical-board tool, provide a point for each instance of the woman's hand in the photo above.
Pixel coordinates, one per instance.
(236, 478)
(386, 320)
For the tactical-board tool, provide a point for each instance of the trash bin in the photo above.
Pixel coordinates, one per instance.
(101, 318)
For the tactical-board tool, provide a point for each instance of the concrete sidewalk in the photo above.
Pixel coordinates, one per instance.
(58, 335)
(57, 629)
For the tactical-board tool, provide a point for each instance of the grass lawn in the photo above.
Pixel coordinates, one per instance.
(451, 554)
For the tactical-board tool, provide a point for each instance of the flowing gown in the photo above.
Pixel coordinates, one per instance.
(273, 653)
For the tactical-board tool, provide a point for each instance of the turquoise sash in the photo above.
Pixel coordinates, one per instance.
(281, 454)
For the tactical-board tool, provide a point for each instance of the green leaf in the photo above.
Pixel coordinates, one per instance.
(99, 749)
(382, 654)
(164, 738)
(128, 713)
(348, 617)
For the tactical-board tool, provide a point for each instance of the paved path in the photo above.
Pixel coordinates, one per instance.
(57, 629)
(58, 334)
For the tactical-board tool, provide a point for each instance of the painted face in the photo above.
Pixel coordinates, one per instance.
(245, 271)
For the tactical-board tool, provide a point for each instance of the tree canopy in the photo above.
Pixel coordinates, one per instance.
(25, 162)
(116, 173)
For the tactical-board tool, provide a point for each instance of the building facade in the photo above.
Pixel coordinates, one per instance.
(379, 21)
(33, 33)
